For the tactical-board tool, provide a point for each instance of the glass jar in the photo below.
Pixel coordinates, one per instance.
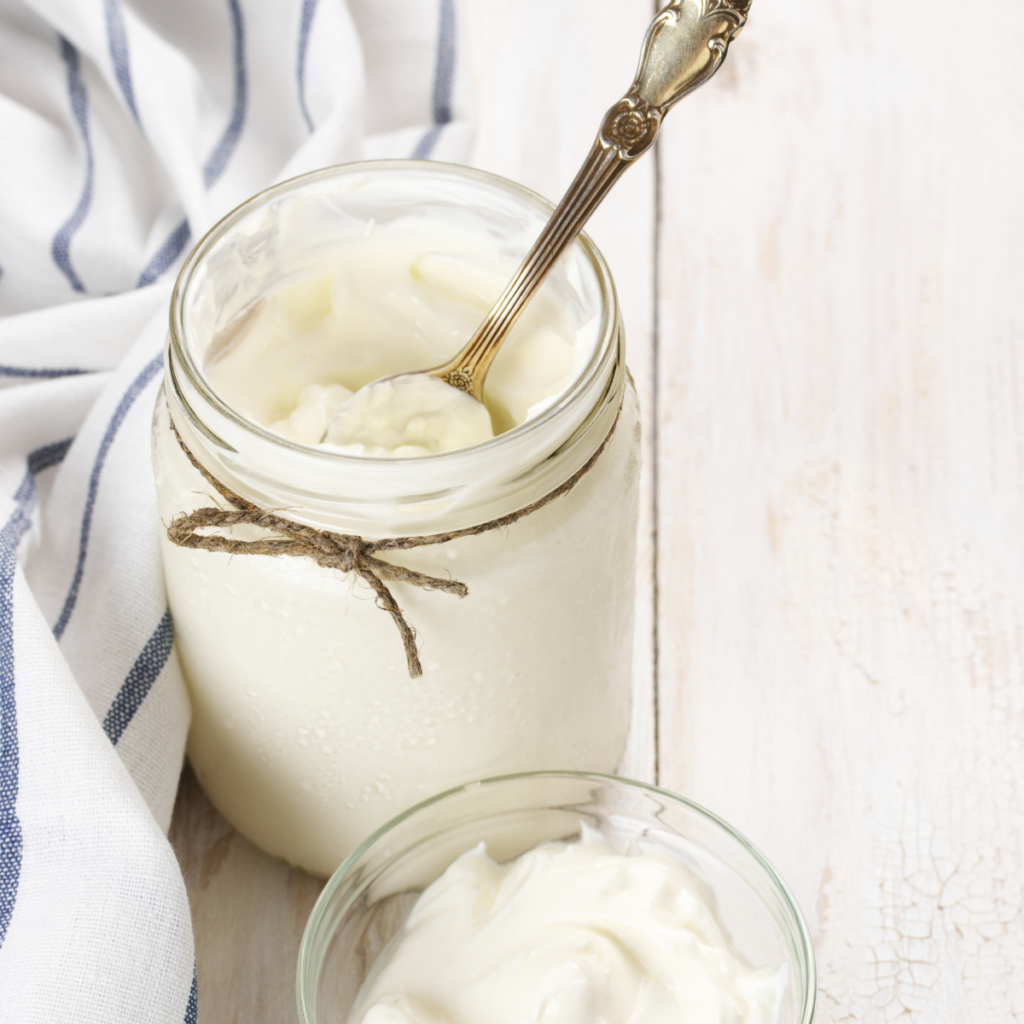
(308, 732)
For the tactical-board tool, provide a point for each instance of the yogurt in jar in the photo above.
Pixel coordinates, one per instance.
(307, 731)
(401, 297)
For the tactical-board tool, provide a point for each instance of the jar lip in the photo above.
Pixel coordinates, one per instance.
(183, 356)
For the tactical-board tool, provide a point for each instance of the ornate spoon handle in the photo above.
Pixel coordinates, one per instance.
(684, 46)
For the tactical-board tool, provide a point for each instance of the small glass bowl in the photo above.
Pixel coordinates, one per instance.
(369, 896)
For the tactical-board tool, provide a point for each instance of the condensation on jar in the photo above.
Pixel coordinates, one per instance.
(307, 731)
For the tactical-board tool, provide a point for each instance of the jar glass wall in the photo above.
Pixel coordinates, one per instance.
(308, 732)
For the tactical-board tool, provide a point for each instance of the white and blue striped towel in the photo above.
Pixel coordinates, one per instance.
(128, 127)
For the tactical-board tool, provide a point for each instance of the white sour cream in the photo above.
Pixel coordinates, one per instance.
(408, 415)
(569, 933)
(391, 301)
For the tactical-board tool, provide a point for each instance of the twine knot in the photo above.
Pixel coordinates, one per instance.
(344, 552)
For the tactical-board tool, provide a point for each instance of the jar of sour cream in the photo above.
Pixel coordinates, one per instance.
(308, 731)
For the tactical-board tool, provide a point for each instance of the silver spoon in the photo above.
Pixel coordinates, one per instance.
(684, 46)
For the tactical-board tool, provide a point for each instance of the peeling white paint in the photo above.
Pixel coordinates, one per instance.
(921, 913)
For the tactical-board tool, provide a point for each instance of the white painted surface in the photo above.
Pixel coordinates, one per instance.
(839, 443)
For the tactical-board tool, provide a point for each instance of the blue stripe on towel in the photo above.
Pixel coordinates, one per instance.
(426, 144)
(61, 245)
(10, 825)
(10, 536)
(218, 159)
(44, 372)
(49, 455)
(444, 76)
(165, 256)
(137, 386)
(147, 667)
(192, 1009)
(117, 44)
(305, 23)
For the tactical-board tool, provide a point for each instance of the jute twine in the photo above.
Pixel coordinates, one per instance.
(342, 551)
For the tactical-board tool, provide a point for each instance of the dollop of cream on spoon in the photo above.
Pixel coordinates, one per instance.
(408, 415)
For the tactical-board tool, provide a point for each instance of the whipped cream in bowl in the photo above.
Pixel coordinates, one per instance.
(560, 898)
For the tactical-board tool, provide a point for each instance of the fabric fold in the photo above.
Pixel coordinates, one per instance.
(130, 128)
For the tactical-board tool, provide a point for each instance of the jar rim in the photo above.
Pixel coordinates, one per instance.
(183, 356)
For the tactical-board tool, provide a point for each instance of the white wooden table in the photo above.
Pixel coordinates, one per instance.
(822, 276)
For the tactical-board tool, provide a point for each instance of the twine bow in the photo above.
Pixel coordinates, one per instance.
(339, 551)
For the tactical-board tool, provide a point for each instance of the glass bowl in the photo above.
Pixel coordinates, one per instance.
(370, 895)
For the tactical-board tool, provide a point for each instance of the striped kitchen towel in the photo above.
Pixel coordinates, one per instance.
(128, 128)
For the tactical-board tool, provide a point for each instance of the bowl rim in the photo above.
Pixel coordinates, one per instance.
(805, 943)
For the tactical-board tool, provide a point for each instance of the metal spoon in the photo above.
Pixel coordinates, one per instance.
(684, 46)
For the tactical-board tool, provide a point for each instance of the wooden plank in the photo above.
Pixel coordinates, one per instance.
(248, 914)
(841, 432)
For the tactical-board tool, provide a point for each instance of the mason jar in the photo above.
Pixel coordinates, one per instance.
(309, 729)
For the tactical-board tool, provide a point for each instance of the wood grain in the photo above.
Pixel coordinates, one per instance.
(840, 502)
(248, 915)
